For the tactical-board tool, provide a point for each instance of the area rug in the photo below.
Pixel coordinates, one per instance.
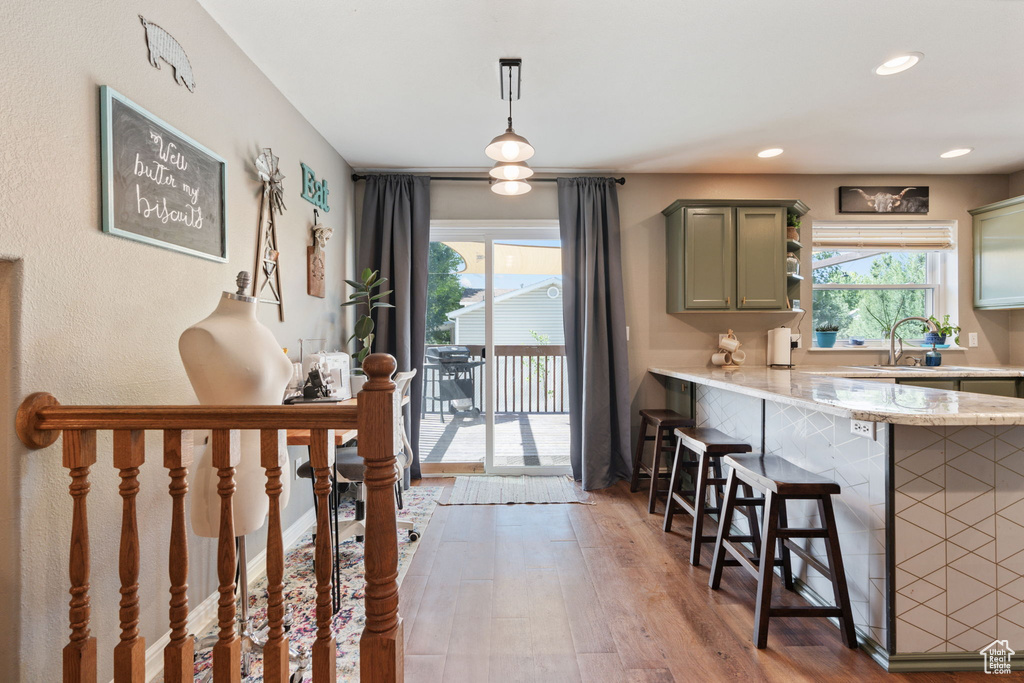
(300, 589)
(524, 489)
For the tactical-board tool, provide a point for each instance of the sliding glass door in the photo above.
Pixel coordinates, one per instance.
(495, 380)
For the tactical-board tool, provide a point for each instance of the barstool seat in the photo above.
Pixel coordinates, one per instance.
(664, 421)
(708, 445)
(780, 480)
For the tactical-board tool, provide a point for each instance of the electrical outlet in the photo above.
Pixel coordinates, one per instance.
(862, 428)
(972, 339)
(796, 341)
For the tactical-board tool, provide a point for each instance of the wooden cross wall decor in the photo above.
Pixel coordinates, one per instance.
(267, 273)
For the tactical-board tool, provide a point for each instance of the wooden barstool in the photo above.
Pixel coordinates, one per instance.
(707, 446)
(780, 481)
(664, 421)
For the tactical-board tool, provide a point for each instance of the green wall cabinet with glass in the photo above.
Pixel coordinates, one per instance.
(998, 254)
(727, 255)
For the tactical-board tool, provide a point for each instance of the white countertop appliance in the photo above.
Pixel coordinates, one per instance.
(780, 347)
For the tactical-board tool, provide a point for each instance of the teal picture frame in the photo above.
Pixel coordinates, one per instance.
(110, 222)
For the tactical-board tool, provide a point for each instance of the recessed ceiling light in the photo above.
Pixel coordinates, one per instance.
(768, 153)
(953, 153)
(899, 63)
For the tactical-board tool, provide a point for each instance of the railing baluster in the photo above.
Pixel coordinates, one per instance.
(80, 652)
(275, 651)
(324, 647)
(179, 654)
(381, 645)
(130, 653)
(227, 653)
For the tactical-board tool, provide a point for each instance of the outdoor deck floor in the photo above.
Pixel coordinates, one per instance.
(520, 439)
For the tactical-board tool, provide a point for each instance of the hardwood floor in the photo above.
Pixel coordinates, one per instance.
(597, 594)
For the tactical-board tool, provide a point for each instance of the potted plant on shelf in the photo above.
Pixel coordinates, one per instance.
(946, 328)
(825, 334)
(364, 299)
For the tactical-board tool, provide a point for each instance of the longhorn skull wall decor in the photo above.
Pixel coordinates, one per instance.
(882, 199)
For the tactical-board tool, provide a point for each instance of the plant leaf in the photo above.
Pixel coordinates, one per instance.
(366, 274)
(353, 283)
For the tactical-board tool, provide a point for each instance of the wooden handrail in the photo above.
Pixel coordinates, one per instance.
(40, 422)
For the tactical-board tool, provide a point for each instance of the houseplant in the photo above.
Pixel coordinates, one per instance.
(365, 301)
(825, 333)
(945, 328)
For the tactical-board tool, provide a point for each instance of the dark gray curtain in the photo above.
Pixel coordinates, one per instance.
(394, 237)
(595, 331)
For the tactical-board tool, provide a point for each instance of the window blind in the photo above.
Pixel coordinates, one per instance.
(885, 237)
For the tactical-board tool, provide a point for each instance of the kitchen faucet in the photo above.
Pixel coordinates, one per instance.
(894, 358)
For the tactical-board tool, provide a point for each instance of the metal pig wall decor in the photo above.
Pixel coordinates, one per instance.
(162, 45)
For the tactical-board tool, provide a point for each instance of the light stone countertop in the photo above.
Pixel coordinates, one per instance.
(858, 399)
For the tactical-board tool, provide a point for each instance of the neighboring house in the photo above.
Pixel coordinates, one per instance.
(517, 312)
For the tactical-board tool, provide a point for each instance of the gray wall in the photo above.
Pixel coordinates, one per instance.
(100, 316)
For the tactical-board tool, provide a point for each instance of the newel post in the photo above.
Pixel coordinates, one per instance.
(381, 648)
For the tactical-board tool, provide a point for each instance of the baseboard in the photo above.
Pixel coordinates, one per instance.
(913, 662)
(203, 615)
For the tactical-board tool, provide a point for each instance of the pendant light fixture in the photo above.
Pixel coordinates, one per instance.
(511, 170)
(510, 188)
(509, 147)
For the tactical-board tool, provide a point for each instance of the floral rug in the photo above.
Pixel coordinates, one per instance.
(300, 588)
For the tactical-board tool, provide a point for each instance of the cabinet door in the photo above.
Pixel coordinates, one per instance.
(998, 254)
(992, 387)
(709, 244)
(761, 258)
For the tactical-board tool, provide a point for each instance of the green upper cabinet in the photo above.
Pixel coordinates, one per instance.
(998, 254)
(761, 258)
(727, 255)
(708, 258)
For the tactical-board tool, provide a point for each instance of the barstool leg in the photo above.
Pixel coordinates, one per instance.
(659, 444)
(724, 523)
(835, 563)
(638, 457)
(700, 504)
(673, 483)
(752, 522)
(766, 570)
(787, 564)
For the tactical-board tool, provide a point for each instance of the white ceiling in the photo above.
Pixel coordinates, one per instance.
(651, 85)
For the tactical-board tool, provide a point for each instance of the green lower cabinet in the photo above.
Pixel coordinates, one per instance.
(947, 384)
(992, 387)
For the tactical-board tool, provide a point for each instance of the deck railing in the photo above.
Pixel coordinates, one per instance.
(528, 379)
(42, 420)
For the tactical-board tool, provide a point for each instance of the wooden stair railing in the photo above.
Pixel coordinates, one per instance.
(41, 420)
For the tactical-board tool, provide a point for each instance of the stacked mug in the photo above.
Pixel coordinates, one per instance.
(729, 354)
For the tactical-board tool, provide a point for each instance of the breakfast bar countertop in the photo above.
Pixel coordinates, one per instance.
(863, 399)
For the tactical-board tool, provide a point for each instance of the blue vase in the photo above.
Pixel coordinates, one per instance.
(826, 340)
(933, 338)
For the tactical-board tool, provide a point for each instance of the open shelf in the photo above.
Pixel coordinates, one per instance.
(794, 278)
(792, 245)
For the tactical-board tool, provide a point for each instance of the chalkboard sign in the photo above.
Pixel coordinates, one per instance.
(160, 186)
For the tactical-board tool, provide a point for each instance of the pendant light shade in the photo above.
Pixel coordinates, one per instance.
(510, 188)
(511, 170)
(509, 146)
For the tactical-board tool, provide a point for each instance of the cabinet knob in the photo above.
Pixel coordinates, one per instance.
(727, 300)
(744, 301)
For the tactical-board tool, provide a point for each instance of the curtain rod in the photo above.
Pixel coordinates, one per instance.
(356, 177)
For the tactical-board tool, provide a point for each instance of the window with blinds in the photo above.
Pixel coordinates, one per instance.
(867, 276)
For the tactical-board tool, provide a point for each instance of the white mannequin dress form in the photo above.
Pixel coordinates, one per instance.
(232, 359)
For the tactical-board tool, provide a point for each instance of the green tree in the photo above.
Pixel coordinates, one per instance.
(444, 290)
